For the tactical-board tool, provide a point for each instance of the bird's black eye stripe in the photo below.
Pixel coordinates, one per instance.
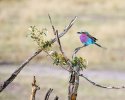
(78, 32)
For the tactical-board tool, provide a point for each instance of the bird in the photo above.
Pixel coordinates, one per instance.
(88, 39)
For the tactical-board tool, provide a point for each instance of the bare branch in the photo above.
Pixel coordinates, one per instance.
(48, 94)
(93, 83)
(101, 86)
(54, 31)
(56, 35)
(17, 71)
(74, 79)
(34, 89)
(76, 50)
(66, 29)
(98, 85)
(60, 46)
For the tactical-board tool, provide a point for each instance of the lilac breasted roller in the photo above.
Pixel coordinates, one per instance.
(87, 39)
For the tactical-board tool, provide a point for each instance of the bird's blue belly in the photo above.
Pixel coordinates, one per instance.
(89, 41)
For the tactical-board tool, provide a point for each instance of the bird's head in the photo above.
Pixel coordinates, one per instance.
(82, 33)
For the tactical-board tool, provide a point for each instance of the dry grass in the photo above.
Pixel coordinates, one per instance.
(103, 18)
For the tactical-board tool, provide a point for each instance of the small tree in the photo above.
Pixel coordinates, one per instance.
(73, 65)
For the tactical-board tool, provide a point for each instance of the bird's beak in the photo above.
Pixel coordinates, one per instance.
(79, 32)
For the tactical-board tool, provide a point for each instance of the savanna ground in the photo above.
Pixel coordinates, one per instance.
(105, 19)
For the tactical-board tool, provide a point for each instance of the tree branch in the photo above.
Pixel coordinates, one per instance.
(59, 43)
(76, 50)
(66, 29)
(56, 35)
(101, 86)
(93, 83)
(74, 78)
(17, 71)
(54, 31)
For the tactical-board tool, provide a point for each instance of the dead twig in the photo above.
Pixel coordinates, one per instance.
(101, 86)
(48, 94)
(34, 89)
(54, 31)
(59, 43)
(76, 50)
(98, 85)
(66, 29)
(56, 98)
(18, 70)
(56, 35)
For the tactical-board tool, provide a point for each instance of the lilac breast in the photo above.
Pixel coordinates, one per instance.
(83, 38)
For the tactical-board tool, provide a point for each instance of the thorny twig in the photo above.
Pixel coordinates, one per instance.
(17, 71)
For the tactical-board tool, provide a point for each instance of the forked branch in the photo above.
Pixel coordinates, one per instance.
(94, 83)
(18, 70)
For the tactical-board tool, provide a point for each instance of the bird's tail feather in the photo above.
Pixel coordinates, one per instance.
(100, 46)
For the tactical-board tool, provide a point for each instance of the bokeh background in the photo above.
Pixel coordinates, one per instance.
(104, 19)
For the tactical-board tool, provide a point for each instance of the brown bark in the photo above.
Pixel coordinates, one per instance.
(34, 89)
(73, 84)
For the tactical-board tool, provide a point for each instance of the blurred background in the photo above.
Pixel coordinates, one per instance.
(104, 19)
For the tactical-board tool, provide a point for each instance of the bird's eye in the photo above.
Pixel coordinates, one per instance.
(78, 32)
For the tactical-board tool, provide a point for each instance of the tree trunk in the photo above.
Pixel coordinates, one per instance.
(73, 84)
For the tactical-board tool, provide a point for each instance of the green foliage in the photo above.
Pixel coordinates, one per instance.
(39, 37)
(58, 59)
(79, 61)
